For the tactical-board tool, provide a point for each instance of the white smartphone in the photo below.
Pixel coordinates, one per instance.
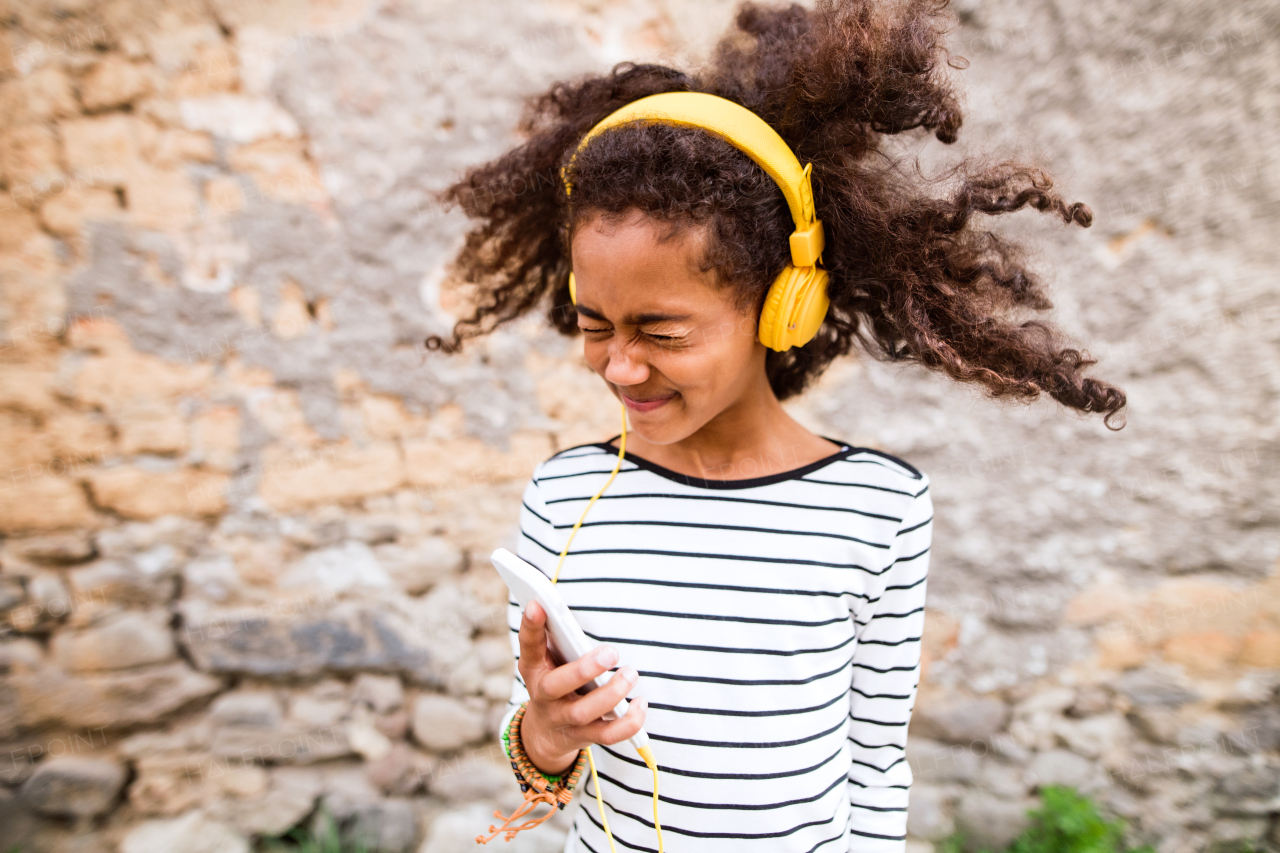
(567, 639)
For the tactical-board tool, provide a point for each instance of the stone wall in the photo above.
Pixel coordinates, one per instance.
(245, 518)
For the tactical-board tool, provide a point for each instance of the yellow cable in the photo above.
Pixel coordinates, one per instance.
(600, 802)
(646, 753)
(622, 447)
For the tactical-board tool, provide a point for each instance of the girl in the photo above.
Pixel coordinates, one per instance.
(758, 590)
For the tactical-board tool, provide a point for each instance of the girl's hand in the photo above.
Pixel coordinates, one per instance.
(559, 721)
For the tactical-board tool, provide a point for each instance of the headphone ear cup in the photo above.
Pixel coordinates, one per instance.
(811, 304)
(573, 289)
(794, 308)
(773, 310)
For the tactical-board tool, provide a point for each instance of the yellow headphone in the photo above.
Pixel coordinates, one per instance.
(797, 301)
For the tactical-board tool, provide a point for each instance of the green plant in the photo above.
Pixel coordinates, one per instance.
(322, 837)
(1066, 822)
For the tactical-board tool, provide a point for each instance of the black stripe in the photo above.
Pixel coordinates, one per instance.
(724, 650)
(696, 774)
(913, 527)
(705, 526)
(876, 808)
(874, 835)
(758, 502)
(880, 695)
(689, 832)
(609, 470)
(720, 587)
(880, 769)
(875, 745)
(727, 806)
(745, 744)
(887, 643)
(875, 787)
(740, 557)
(877, 722)
(764, 682)
(722, 713)
(894, 459)
(858, 486)
(717, 618)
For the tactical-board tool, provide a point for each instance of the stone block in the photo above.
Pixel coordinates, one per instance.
(960, 719)
(74, 786)
(135, 492)
(402, 772)
(153, 429)
(1093, 736)
(238, 118)
(313, 636)
(12, 593)
(62, 549)
(49, 696)
(257, 709)
(1261, 648)
(101, 150)
(383, 826)
(216, 437)
(1251, 791)
(1157, 724)
(935, 763)
(336, 475)
(120, 381)
(1060, 767)
(44, 503)
(465, 463)
(29, 160)
(67, 213)
(161, 199)
(211, 70)
(46, 603)
(417, 568)
(173, 147)
(121, 641)
(351, 566)
(280, 168)
(129, 583)
(290, 796)
(1120, 652)
(381, 693)
(1201, 652)
(928, 815)
(445, 723)
(42, 95)
(992, 821)
(1155, 686)
(194, 832)
(114, 82)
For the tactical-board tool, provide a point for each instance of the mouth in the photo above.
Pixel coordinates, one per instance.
(648, 404)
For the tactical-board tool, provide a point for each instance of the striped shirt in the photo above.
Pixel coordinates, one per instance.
(776, 625)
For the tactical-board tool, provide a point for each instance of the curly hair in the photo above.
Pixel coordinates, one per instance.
(914, 277)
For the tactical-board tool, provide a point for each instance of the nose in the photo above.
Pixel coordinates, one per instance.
(625, 367)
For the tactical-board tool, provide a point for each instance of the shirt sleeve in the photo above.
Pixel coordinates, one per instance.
(886, 675)
(540, 544)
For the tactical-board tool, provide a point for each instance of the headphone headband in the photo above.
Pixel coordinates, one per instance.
(747, 132)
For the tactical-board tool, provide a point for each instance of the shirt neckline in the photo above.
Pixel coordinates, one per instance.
(741, 483)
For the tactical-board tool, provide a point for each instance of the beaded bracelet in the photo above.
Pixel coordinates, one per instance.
(537, 787)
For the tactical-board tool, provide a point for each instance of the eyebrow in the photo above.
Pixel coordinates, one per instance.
(634, 319)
